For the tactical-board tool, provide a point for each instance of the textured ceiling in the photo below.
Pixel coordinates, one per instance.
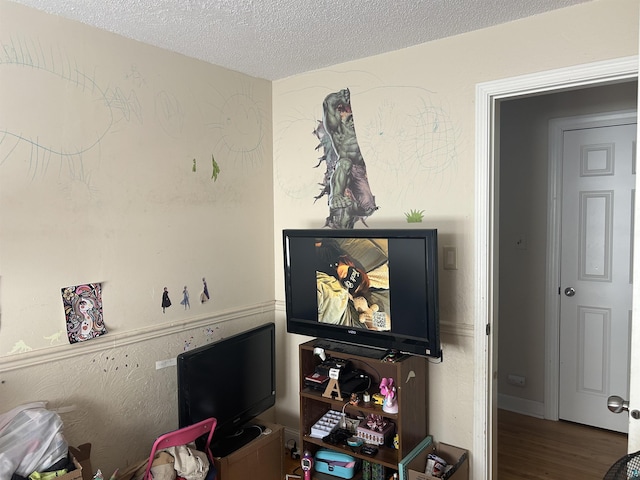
(274, 39)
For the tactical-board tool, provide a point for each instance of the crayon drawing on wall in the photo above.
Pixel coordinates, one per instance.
(404, 132)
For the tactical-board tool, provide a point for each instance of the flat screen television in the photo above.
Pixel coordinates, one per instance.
(233, 380)
(369, 287)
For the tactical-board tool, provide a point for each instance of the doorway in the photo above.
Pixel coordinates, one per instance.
(491, 100)
(524, 335)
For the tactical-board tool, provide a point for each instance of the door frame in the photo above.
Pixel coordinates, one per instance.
(486, 231)
(557, 127)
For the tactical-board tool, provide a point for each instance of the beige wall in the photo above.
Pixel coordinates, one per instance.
(414, 116)
(96, 186)
(99, 135)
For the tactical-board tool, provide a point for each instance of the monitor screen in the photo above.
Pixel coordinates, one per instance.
(370, 287)
(233, 380)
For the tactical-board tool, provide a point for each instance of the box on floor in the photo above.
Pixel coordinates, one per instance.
(82, 454)
(413, 466)
(81, 457)
(73, 474)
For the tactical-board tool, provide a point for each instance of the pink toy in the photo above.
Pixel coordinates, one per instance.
(387, 389)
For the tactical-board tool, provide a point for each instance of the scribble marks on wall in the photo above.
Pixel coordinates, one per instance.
(404, 132)
(126, 103)
(238, 124)
(410, 136)
(169, 113)
(56, 111)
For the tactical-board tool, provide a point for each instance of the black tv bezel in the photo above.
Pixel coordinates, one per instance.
(226, 427)
(427, 345)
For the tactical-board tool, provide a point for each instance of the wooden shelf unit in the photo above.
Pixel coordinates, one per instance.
(409, 374)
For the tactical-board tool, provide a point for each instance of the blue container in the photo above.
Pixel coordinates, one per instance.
(336, 463)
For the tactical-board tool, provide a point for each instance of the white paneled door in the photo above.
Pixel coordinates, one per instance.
(598, 189)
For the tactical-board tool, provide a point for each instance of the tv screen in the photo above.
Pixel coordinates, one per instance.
(233, 380)
(371, 287)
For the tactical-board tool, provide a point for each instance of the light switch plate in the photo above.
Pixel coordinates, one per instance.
(450, 258)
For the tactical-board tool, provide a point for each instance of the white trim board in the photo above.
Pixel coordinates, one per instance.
(111, 340)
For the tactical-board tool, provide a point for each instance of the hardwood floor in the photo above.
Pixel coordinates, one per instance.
(532, 448)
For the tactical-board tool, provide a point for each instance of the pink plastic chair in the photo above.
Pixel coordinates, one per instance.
(184, 436)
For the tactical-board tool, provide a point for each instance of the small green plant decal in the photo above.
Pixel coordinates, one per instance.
(214, 165)
(414, 216)
(216, 168)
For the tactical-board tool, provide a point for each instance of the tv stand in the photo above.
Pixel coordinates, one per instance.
(261, 457)
(409, 373)
(229, 444)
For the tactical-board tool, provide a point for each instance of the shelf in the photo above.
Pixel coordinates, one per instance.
(325, 476)
(385, 456)
(334, 404)
(410, 377)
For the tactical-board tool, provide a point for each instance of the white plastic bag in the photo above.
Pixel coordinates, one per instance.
(31, 440)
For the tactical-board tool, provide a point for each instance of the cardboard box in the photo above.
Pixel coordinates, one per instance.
(412, 467)
(82, 454)
(74, 474)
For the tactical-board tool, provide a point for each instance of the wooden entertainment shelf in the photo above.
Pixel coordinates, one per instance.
(409, 374)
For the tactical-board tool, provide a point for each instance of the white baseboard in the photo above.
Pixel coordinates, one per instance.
(521, 405)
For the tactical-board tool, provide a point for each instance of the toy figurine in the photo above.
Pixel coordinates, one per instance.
(387, 389)
(307, 464)
(354, 400)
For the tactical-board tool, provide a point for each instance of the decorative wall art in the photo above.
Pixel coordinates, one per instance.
(345, 180)
(204, 295)
(185, 298)
(166, 301)
(83, 312)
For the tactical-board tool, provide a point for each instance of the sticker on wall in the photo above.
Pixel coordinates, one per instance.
(215, 169)
(55, 337)
(414, 216)
(345, 180)
(83, 311)
(166, 302)
(204, 295)
(185, 298)
(20, 347)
